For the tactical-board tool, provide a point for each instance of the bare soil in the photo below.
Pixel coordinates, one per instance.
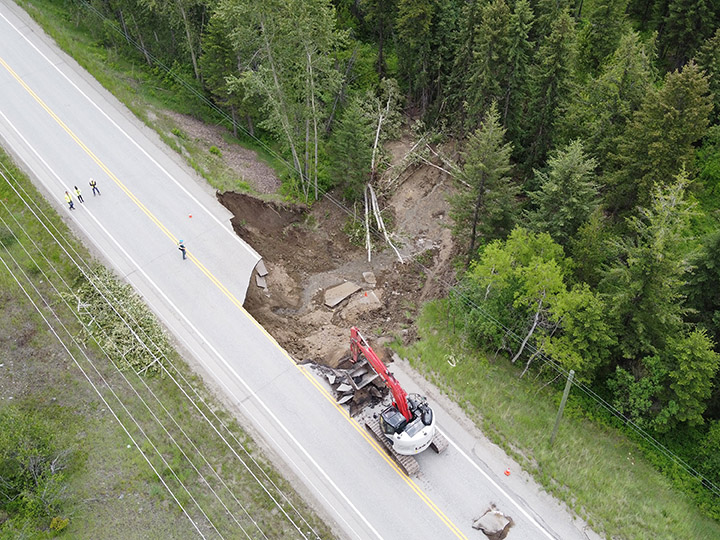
(306, 251)
(243, 162)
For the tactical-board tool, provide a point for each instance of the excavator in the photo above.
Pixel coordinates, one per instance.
(407, 426)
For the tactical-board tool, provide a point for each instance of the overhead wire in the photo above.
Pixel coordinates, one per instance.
(120, 372)
(582, 387)
(113, 302)
(102, 378)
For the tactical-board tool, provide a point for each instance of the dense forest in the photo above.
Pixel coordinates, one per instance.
(587, 160)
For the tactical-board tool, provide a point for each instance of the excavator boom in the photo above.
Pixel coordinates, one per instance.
(359, 345)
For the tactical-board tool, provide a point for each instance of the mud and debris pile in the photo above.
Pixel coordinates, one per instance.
(317, 284)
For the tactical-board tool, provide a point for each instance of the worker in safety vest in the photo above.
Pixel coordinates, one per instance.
(68, 199)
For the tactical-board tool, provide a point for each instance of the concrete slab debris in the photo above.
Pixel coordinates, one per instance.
(331, 378)
(362, 303)
(345, 398)
(260, 269)
(344, 388)
(261, 282)
(369, 278)
(335, 295)
(494, 524)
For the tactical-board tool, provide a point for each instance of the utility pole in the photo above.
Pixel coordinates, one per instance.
(562, 405)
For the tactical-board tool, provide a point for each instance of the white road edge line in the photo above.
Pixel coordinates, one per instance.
(498, 487)
(135, 143)
(524, 512)
(251, 392)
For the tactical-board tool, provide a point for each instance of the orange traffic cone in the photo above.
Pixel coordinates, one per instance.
(507, 471)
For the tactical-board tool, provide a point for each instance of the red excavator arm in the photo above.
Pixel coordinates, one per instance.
(358, 345)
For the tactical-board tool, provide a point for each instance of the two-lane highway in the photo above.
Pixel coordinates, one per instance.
(65, 129)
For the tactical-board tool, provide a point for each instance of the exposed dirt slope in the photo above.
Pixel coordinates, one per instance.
(306, 252)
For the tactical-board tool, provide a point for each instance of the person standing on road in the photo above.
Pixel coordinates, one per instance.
(79, 194)
(93, 185)
(68, 199)
(181, 247)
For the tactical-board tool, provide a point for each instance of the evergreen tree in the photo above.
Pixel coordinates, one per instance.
(547, 13)
(708, 58)
(413, 27)
(601, 34)
(686, 25)
(380, 15)
(568, 194)
(518, 59)
(485, 206)
(643, 287)
(446, 38)
(501, 58)
(220, 59)
(456, 95)
(591, 249)
(702, 286)
(660, 140)
(600, 109)
(490, 66)
(549, 85)
(350, 149)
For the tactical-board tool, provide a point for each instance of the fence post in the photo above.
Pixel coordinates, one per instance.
(562, 405)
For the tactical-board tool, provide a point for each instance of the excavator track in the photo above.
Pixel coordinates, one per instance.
(439, 443)
(408, 464)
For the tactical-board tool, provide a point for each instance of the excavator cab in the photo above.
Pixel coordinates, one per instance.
(392, 421)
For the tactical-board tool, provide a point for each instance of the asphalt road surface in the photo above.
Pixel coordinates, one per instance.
(65, 128)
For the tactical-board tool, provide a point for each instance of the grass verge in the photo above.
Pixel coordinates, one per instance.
(148, 91)
(599, 473)
(108, 488)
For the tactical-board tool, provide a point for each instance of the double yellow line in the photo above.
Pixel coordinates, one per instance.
(363, 433)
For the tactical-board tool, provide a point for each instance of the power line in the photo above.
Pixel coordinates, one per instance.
(113, 302)
(52, 329)
(108, 356)
(552, 363)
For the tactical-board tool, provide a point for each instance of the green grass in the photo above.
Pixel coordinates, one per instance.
(598, 472)
(111, 490)
(147, 92)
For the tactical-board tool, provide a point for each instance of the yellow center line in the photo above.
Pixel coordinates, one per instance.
(371, 441)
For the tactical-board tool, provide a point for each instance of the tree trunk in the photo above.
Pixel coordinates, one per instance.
(476, 218)
(341, 93)
(532, 329)
(251, 125)
(190, 44)
(380, 65)
(281, 105)
(124, 26)
(233, 114)
(142, 43)
(314, 117)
